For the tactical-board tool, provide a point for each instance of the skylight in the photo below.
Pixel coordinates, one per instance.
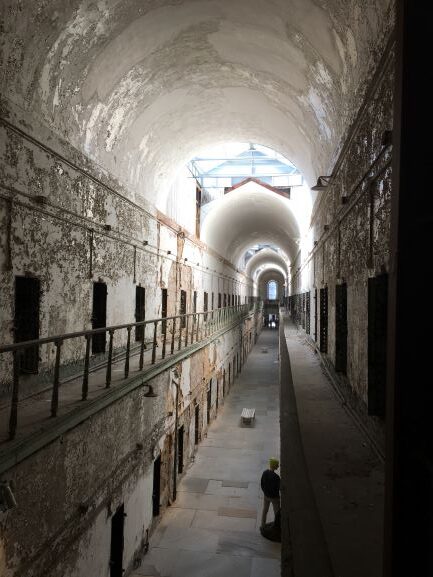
(224, 166)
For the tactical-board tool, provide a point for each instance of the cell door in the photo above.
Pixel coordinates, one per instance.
(182, 308)
(99, 316)
(217, 394)
(180, 440)
(315, 315)
(164, 302)
(26, 322)
(117, 535)
(341, 328)
(377, 343)
(208, 403)
(197, 424)
(156, 493)
(205, 304)
(324, 320)
(140, 311)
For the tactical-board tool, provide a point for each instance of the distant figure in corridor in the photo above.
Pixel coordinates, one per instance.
(270, 484)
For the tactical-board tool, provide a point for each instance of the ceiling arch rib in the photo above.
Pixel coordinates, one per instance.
(266, 257)
(272, 273)
(270, 267)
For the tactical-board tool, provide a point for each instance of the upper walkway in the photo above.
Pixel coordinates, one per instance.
(334, 480)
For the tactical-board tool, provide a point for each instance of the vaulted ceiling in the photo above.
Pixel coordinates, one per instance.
(140, 86)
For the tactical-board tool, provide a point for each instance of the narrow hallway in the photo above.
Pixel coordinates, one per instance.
(212, 529)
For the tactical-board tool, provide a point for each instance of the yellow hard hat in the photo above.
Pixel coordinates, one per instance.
(274, 463)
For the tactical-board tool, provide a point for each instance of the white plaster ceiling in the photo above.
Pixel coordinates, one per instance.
(140, 87)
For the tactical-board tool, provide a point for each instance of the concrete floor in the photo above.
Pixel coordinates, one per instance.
(212, 528)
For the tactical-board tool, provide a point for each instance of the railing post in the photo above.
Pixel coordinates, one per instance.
(155, 328)
(55, 396)
(172, 336)
(13, 420)
(128, 350)
(110, 360)
(85, 388)
(143, 335)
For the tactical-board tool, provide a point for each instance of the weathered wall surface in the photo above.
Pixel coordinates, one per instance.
(351, 236)
(84, 230)
(68, 224)
(82, 478)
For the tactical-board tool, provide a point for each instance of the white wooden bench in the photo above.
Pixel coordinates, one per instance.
(247, 416)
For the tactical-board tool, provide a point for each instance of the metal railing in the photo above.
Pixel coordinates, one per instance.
(169, 336)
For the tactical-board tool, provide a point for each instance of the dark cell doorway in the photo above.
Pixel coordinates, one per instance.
(315, 315)
(156, 493)
(205, 304)
(341, 328)
(117, 533)
(180, 449)
(182, 308)
(217, 394)
(140, 311)
(26, 322)
(99, 316)
(324, 320)
(164, 300)
(377, 343)
(197, 424)
(209, 400)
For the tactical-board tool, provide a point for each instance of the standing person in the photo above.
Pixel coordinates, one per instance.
(270, 484)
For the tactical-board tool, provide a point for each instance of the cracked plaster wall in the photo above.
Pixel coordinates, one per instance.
(355, 246)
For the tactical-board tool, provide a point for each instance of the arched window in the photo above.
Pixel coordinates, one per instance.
(272, 290)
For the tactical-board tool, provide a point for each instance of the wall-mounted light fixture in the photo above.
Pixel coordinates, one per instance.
(169, 252)
(145, 242)
(40, 199)
(322, 183)
(150, 392)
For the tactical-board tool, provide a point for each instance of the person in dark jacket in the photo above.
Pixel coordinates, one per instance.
(270, 484)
